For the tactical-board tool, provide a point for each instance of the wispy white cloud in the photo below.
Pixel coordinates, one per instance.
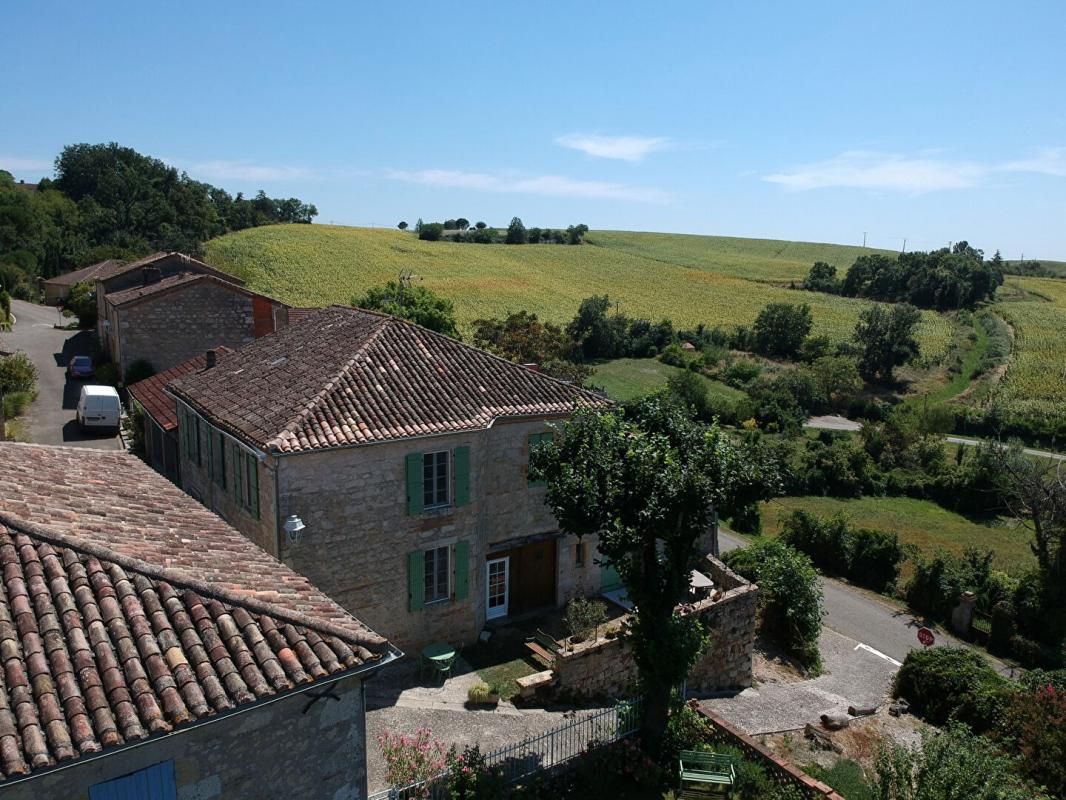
(862, 169)
(549, 185)
(246, 171)
(16, 164)
(1046, 161)
(621, 148)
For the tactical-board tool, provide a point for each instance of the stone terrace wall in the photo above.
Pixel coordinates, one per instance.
(606, 667)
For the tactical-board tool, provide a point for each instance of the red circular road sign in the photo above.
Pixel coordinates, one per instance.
(925, 636)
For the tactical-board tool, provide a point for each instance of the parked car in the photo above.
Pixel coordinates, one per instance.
(99, 408)
(80, 367)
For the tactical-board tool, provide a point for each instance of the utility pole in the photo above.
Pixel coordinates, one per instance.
(904, 250)
(864, 240)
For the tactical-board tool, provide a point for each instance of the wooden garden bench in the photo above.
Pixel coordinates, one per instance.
(544, 648)
(709, 771)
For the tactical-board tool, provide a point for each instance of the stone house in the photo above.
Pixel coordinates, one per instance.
(159, 412)
(168, 308)
(57, 289)
(151, 651)
(389, 463)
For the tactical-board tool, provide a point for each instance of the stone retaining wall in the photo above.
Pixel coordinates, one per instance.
(605, 667)
(779, 770)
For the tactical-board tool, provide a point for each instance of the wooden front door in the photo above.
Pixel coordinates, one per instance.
(532, 576)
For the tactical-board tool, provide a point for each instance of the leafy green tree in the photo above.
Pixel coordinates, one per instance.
(430, 231)
(402, 225)
(599, 334)
(646, 482)
(450, 225)
(839, 379)
(822, 278)
(575, 233)
(462, 223)
(533, 235)
(886, 340)
(516, 232)
(82, 302)
(480, 225)
(415, 303)
(790, 595)
(781, 328)
(523, 338)
(418, 225)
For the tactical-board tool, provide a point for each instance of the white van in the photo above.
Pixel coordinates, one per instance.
(99, 407)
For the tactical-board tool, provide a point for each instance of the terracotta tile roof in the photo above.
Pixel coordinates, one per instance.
(151, 392)
(127, 610)
(301, 314)
(85, 273)
(127, 296)
(195, 264)
(346, 376)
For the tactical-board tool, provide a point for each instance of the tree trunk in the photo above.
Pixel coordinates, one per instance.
(656, 714)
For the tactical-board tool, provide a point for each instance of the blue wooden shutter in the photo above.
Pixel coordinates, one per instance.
(154, 783)
(462, 570)
(414, 484)
(416, 580)
(462, 475)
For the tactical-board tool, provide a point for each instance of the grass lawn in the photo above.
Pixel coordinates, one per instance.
(626, 378)
(505, 676)
(919, 522)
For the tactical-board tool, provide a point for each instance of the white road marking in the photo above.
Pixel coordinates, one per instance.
(878, 653)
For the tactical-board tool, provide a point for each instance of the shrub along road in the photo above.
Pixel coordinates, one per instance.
(864, 639)
(51, 417)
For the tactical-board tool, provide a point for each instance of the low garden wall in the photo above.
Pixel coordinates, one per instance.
(605, 667)
(779, 770)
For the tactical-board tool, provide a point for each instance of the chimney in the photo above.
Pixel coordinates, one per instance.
(532, 367)
(151, 275)
(212, 358)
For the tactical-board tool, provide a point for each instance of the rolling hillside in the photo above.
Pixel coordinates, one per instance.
(724, 285)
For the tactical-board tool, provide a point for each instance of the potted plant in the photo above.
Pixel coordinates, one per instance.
(481, 695)
(583, 618)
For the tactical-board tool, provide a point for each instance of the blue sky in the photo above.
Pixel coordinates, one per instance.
(814, 121)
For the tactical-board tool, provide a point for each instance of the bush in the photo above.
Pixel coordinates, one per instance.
(1038, 721)
(781, 328)
(471, 778)
(82, 302)
(945, 684)
(674, 356)
(938, 583)
(846, 776)
(790, 596)
(747, 519)
(866, 557)
(752, 782)
(17, 374)
(16, 403)
(431, 232)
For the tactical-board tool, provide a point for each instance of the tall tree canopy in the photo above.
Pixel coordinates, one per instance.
(415, 303)
(886, 340)
(647, 482)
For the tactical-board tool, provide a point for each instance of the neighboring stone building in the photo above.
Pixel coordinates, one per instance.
(57, 289)
(403, 454)
(160, 412)
(168, 320)
(149, 650)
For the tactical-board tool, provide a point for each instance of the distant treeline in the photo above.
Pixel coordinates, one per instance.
(109, 201)
(460, 230)
(945, 279)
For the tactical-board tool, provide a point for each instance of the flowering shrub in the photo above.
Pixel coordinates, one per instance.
(471, 778)
(1038, 719)
(412, 758)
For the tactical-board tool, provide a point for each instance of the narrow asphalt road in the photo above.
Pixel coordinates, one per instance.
(875, 623)
(51, 417)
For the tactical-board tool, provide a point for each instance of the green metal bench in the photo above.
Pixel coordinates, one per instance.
(709, 772)
(544, 649)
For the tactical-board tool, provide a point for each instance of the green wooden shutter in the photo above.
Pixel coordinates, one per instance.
(414, 484)
(416, 579)
(462, 570)
(211, 454)
(462, 475)
(253, 483)
(237, 485)
(183, 433)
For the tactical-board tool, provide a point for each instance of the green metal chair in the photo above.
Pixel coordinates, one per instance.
(705, 773)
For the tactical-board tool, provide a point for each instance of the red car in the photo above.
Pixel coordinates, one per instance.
(80, 367)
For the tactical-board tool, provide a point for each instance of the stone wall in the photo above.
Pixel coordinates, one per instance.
(358, 535)
(293, 747)
(178, 325)
(606, 667)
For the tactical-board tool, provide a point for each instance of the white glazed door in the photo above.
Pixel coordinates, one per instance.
(496, 588)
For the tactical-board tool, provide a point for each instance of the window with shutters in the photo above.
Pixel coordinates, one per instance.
(436, 574)
(435, 484)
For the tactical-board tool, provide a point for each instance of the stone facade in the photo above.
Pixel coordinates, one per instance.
(175, 326)
(359, 535)
(305, 744)
(605, 667)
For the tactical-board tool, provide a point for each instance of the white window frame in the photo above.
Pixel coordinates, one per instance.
(434, 479)
(430, 559)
